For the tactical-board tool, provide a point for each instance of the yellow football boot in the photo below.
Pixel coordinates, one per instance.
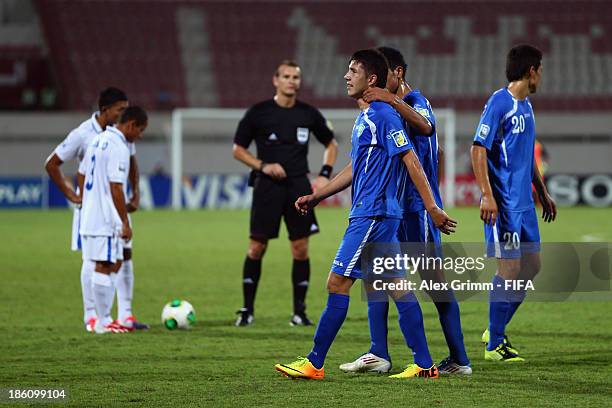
(301, 368)
(414, 370)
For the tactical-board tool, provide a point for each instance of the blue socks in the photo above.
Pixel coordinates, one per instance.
(516, 298)
(378, 314)
(450, 320)
(499, 306)
(411, 324)
(329, 324)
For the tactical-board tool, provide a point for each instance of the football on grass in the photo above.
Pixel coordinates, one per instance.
(178, 314)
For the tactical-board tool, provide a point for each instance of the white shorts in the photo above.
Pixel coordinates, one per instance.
(77, 242)
(105, 249)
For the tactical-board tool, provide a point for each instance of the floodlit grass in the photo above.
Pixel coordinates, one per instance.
(198, 256)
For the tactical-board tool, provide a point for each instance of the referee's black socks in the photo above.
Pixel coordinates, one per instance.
(250, 279)
(300, 275)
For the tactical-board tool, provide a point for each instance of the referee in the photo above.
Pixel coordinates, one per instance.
(281, 128)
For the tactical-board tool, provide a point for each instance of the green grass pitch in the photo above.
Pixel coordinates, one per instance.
(198, 256)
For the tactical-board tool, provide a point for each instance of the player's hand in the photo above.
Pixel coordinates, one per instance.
(488, 209)
(378, 94)
(319, 182)
(75, 198)
(549, 208)
(442, 221)
(306, 203)
(274, 170)
(134, 203)
(71, 195)
(126, 231)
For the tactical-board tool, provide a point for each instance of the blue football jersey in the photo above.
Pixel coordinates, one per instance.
(426, 149)
(507, 130)
(378, 138)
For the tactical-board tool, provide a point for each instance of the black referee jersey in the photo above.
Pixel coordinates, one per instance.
(282, 134)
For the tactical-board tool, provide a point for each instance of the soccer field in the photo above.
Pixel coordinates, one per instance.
(198, 256)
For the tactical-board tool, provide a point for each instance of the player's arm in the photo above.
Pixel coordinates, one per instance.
(549, 208)
(119, 202)
(329, 159)
(414, 119)
(488, 206)
(340, 182)
(487, 128)
(52, 167)
(274, 170)
(134, 177)
(417, 175)
(323, 131)
(242, 140)
(80, 183)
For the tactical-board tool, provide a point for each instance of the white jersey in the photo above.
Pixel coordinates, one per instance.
(77, 141)
(73, 147)
(106, 161)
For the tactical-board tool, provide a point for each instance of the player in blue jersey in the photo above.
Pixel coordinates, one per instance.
(503, 163)
(380, 147)
(416, 225)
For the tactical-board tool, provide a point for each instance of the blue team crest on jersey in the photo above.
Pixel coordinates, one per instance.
(399, 137)
(483, 131)
(360, 128)
(104, 145)
(422, 111)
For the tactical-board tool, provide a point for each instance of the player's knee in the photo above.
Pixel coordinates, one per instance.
(299, 249)
(509, 268)
(338, 284)
(531, 266)
(256, 250)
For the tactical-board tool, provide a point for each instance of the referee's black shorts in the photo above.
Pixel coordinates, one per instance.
(275, 199)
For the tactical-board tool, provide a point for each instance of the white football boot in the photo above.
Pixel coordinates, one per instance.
(367, 363)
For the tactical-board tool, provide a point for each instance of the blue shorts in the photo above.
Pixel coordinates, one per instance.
(418, 226)
(361, 231)
(512, 234)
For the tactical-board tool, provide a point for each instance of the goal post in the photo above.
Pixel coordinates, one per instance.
(209, 126)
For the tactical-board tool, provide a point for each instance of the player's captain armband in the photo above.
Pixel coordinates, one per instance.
(399, 137)
(483, 131)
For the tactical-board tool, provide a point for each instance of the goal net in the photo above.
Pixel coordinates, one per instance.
(201, 140)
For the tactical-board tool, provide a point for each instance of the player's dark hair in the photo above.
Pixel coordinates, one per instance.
(520, 60)
(287, 62)
(374, 63)
(135, 113)
(110, 96)
(394, 58)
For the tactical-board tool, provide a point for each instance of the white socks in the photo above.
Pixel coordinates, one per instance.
(103, 292)
(89, 307)
(125, 290)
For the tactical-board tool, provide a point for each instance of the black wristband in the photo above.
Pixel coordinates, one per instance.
(326, 171)
(263, 163)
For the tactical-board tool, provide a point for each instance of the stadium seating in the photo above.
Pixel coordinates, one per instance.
(125, 44)
(455, 50)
